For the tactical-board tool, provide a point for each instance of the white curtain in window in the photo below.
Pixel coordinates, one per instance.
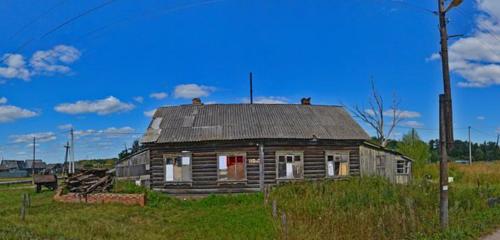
(169, 172)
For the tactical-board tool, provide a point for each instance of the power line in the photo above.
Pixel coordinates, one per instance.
(59, 26)
(145, 14)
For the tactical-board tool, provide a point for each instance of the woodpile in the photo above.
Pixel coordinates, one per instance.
(90, 181)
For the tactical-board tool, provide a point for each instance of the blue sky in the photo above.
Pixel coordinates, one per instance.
(103, 72)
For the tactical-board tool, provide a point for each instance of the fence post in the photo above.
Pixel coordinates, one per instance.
(23, 207)
(29, 200)
(284, 225)
(275, 209)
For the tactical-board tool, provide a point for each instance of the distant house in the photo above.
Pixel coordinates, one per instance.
(54, 168)
(222, 148)
(35, 166)
(12, 168)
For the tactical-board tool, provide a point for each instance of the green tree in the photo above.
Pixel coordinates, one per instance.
(412, 146)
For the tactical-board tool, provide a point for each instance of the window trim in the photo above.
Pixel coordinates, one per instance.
(227, 154)
(176, 155)
(331, 153)
(288, 153)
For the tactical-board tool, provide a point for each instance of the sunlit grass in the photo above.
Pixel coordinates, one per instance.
(368, 208)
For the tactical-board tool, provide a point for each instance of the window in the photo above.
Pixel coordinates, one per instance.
(231, 167)
(289, 165)
(380, 165)
(337, 164)
(403, 166)
(178, 167)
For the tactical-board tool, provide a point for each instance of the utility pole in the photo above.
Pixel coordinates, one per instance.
(445, 114)
(34, 157)
(72, 156)
(470, 149)
(251, 88)
(66, 166)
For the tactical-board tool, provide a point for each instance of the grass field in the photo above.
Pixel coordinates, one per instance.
(14, 179)
(368, 208)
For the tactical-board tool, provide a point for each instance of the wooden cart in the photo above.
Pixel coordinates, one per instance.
(49, 181)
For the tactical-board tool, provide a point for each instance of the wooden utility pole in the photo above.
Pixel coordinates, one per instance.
(470, 149)
(445, 113)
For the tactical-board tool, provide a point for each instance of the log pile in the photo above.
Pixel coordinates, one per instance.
(90, 181)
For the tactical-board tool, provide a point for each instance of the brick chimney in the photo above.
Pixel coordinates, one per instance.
(305, 101)
(197, 101)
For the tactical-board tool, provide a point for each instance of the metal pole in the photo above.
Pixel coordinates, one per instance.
(251, 88)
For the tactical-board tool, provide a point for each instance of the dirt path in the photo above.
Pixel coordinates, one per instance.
(493, 236)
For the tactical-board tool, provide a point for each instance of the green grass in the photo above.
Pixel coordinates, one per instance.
(214, 217)
(372, 208)
(14, 179)
(368, 208)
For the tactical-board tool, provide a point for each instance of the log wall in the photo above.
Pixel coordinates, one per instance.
(204, 164)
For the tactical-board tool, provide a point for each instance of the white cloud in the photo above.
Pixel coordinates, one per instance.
(83, 133)
(10, 113)
(150, 113)
(158, 95)
(412, 124)
(42, 62)
(117, 131)
(108, 132)
(54, 60)
(476, 58)
(3, 100)
(402, 113)
(192, 91)
(28, 138)
(480, 118)
(15, 67)
(267, 100)
(65, 126)
(101, 107)
(139, 99)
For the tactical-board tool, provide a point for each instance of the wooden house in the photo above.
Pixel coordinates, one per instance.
(218, 148)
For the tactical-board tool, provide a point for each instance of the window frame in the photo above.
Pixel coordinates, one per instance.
(332, 153)
(406, 166)
(228, 154)
(286, 154)
(175, 156)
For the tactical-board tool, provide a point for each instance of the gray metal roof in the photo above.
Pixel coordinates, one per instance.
(12, 164)
(193, 123)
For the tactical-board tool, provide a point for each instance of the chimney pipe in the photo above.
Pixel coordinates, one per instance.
(197, 101)
(305, 101)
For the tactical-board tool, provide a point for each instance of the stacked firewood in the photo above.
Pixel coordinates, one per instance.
(90, 181)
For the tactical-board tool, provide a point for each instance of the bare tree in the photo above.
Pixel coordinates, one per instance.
(376, 114)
